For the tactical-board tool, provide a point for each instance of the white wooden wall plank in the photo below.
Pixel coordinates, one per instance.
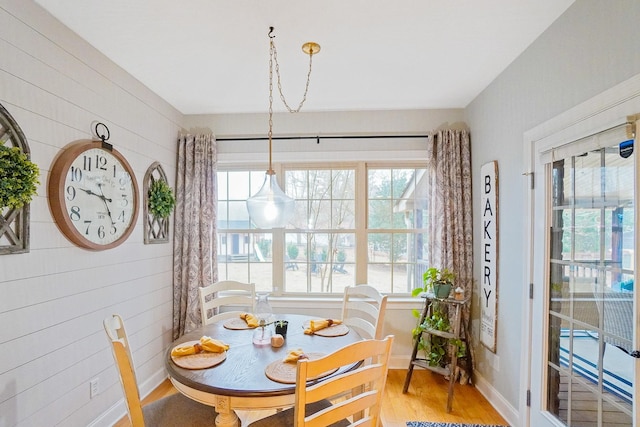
(55, 297)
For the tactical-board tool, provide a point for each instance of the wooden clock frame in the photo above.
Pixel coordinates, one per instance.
(56, 187)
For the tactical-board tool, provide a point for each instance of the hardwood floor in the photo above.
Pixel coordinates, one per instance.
(426, 400)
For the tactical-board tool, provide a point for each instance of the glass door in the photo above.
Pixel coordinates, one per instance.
(586, 375)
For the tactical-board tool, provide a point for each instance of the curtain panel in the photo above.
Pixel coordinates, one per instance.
(194, 243)
(450, 213)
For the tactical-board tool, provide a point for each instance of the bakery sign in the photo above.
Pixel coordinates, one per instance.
(489, 255)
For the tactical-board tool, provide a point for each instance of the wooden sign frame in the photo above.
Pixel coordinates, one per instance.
(489, 255)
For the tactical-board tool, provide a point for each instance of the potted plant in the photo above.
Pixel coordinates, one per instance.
(438, 281)
(18, 177)
(161, 200)
(281, 327)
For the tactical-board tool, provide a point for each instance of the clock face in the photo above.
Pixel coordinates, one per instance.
(93, 196)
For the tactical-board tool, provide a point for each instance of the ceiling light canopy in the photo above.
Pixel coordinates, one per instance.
(270, 207)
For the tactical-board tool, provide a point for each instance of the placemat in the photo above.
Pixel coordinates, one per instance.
(331, 331)
(284, 372)
(198, 361)
(236, 323)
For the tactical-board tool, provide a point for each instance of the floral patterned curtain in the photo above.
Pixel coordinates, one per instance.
(450, 213)
(194, 243)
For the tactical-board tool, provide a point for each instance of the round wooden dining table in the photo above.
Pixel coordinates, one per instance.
(239, 381)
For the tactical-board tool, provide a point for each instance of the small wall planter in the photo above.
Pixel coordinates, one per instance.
(159, 202)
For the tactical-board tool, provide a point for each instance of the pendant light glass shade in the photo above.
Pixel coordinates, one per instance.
(270, 207)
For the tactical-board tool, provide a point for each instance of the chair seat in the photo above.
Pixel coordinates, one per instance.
(285, 418)
(178, 410)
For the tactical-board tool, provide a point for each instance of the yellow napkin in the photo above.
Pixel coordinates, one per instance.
(206, 343)
(252, 321)
(294, 355)
(212, 345)
(316, 325)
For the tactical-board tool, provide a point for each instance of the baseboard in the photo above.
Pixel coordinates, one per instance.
(119, 409)
(399, 362)
(504, 408)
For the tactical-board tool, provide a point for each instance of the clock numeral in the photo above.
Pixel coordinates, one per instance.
(114, 229)
(75, 213)
(88, 222)
(124, 202)
(114, 171)
(101, 162)
(101, 232)
(124, 178)
(76, 174)
(71, 192)
(121, 217)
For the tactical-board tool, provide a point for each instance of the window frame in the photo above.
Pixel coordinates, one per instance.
(361, 229)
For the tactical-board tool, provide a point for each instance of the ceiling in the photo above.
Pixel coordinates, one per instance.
(212, 56)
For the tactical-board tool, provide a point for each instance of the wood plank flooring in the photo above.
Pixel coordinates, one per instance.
(426, 400)
(584, 405)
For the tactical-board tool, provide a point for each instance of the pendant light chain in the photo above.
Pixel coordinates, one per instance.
(274, 55)
(270, 134)
(270, 207)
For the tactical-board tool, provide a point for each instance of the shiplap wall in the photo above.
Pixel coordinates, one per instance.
(53, 299)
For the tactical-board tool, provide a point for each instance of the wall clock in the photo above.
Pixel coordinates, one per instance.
(93, 195)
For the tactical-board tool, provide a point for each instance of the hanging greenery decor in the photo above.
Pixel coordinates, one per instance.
(18, 177)
(161, 199)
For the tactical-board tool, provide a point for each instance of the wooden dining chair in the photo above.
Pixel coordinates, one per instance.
(239, 295)
(363, 308)
(173, 410)
(314, 406)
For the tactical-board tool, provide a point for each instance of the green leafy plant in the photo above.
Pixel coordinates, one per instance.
(435, 347)
(161, 199)
(18, 177)
(433, 278)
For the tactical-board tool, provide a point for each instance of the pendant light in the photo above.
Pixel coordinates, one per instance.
(270, 207)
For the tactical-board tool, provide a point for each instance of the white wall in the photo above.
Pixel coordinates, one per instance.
(54, 298)
(591, 47)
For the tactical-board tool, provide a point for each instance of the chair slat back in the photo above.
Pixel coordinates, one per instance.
(225, 293)
(114, 327)
(364, 308)
(366, 384)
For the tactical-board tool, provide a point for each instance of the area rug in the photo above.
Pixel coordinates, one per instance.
(431, 424)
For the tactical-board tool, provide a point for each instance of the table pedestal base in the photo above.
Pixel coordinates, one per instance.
(226, 416)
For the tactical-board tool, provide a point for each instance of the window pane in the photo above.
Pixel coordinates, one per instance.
(397, 198)
(222, 181)
(397, 261)
(238, 186)
(319, 262)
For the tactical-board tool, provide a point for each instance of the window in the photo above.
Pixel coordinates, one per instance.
(354, 223)
(396, 219)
